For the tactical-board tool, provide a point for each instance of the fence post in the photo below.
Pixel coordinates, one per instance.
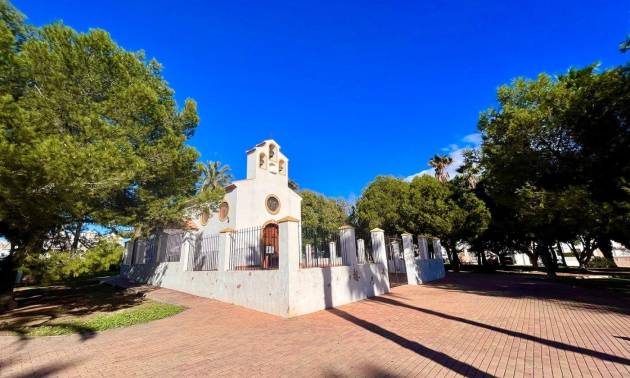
(289, 229)
(348, 244)
(186, 250)
(378, 246)
(128, 257)
(289, 264)
(422, 245)
(225, 248)
(361, 256)
(410, 263)
(437, 249)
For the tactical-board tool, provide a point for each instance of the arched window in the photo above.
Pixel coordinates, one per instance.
(281, 167)
(262, 162)
(205, 216)
(272, 152)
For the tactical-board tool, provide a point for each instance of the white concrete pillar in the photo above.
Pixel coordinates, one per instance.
(289, 246)
(410, 263)
(128, 253)
(141, 251)
(225, 248)
(437, 249)
(423, 246)
(186, 250)
(378, 246)
(289, 264)
(348, 244)
(361, 255)
(332, 248)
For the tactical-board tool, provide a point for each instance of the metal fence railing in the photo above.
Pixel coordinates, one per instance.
(205, 254)
(322, 248)
(254, 248)
(172, 247)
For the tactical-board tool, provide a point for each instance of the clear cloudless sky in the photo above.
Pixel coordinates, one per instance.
(349, 89)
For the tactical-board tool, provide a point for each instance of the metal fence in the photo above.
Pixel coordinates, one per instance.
(254, 248)
(322, 248)
(173, 247)
(205, 254)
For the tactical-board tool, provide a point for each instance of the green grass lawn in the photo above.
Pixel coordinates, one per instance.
(143, 313)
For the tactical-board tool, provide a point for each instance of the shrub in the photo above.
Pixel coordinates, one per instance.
(54, 266)
(599, 262)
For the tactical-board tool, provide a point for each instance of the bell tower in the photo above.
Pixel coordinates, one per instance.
(266, 161)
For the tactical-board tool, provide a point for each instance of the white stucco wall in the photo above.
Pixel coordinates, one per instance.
(428, 270)
(261, 290)
(318, 288)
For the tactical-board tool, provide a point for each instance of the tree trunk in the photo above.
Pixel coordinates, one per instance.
(605, 245)
(453, 257)
(564, 261)
(546, 255)
(533, 256)
(7, 281)
(77, 237)
(482, 253)
(577, 255)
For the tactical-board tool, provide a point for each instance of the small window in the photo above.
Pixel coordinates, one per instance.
(224, 210)
(272, 203)
(262, 162)
(272, 152)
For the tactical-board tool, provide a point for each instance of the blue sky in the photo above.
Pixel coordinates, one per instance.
(349, 89)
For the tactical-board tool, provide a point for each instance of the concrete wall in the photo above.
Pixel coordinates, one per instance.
(261, 290)
(289, 290)
(315, 289)
(428, 270)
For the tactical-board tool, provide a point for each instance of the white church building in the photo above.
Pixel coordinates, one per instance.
(252, 252)
(261, 199)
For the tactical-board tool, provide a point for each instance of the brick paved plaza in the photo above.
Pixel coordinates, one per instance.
(468, 324)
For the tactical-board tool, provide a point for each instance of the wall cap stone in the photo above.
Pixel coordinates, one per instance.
(376, 230)
(288, 219)
(227, 230)
(346, 227)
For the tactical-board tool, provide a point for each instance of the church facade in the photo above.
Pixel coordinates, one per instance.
(259, 200)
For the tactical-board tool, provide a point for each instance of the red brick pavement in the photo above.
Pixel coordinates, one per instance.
(468, 324)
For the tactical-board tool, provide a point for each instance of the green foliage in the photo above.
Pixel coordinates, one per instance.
(598, 262)
(89, 133)
(321, 214)
(555, 160)
(381, 205)
(425, 206)
(104, 256)
(214, 176)
(143, 313)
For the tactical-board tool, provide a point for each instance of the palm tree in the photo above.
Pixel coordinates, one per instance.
(214, 176)
(470, 169)
(440, 163)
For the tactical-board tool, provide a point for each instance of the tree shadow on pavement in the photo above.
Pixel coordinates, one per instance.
(589, 294)
(551, 343)
(434, 355)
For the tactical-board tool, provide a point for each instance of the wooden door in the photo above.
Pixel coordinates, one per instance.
(270, 246)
